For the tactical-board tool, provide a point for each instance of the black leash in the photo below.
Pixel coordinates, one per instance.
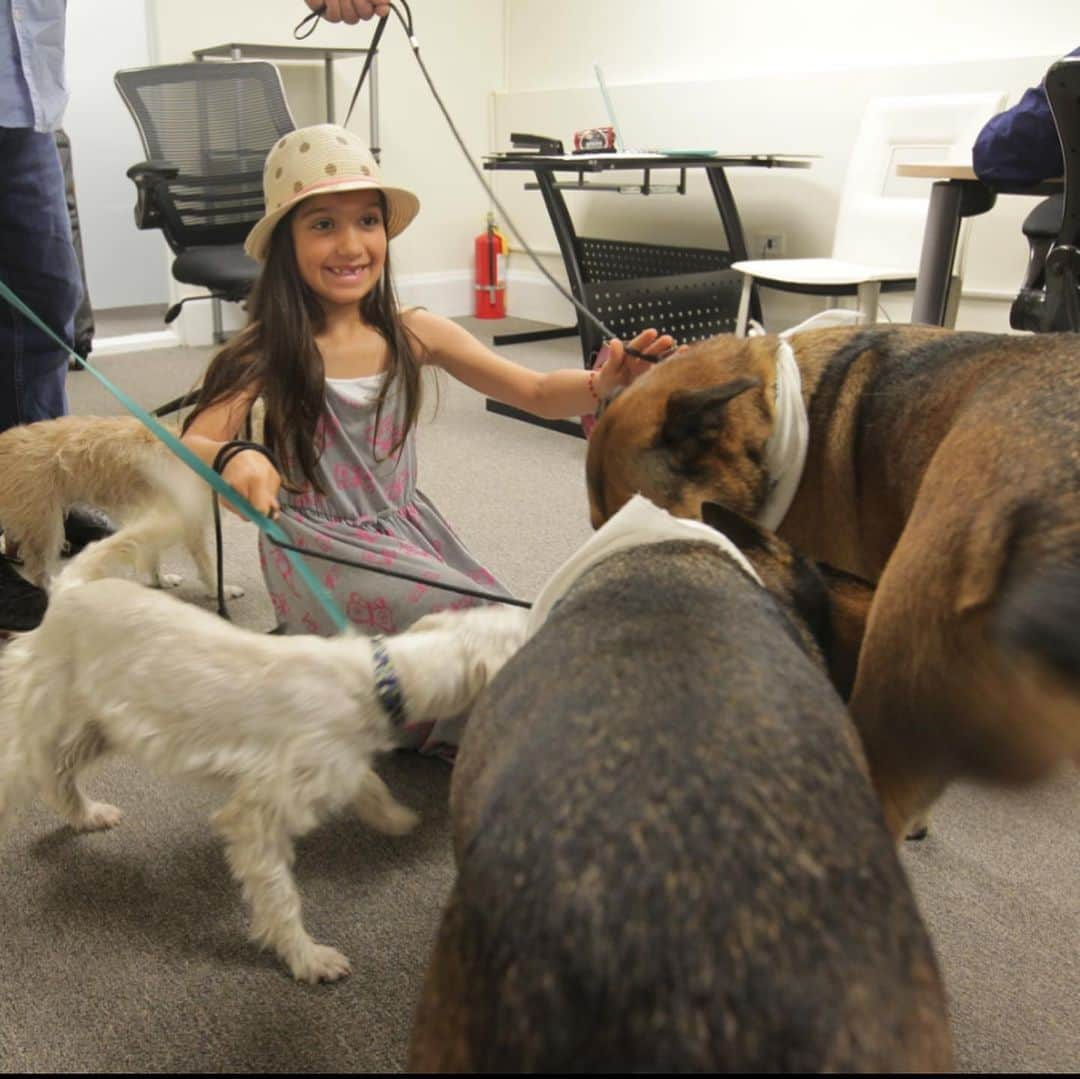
(221, 459)
(230, 450)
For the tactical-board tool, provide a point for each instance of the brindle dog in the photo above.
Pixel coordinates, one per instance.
(670, 856)
(945, 467)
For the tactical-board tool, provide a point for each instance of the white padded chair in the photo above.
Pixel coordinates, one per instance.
(879, 228)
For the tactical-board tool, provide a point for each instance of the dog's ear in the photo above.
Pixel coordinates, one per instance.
(694, 419)
(747, 535)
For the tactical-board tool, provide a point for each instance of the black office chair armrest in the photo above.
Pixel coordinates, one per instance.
(166, 169)
(153, 209)
(1062, 312)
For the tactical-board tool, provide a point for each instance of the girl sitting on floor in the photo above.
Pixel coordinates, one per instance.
(338, 365)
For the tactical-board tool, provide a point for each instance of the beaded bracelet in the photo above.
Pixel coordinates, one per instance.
(592, 386)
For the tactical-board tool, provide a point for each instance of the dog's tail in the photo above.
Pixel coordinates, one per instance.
(130, 549)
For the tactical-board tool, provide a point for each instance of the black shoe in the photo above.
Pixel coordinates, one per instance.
(22, 605)
(83, 526)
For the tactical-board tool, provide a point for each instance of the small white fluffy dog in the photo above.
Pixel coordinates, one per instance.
(115, 464)
(291, 725)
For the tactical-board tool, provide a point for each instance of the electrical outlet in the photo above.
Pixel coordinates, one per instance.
(772, 245)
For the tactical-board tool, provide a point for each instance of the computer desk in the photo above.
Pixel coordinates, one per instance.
(689, 292)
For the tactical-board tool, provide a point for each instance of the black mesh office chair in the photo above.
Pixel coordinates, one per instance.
(206, 129)
(1049, 299)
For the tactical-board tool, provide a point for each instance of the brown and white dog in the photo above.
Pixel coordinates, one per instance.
(670, 856)
(945, 467)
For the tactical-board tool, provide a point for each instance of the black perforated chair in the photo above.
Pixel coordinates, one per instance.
(688, 292)
(206, 129)
(1049, 299)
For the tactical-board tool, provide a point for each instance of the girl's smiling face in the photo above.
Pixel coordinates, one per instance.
(340, 243)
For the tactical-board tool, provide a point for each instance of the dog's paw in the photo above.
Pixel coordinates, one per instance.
(97, 817)
(395, 820)
(917, 830)
(168, 580)
(231, 591)
(319, 963)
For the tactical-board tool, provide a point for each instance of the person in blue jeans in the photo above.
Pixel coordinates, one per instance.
(37, 258)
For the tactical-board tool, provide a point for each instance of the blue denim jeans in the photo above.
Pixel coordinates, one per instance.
(38, 263)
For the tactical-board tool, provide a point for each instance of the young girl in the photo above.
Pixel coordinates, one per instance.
(338, 367)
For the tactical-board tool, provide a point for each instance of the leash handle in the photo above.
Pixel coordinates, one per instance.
(312, 18)
(271, 528)
(368, 61)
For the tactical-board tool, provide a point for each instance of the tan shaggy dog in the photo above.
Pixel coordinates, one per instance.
(288, 727)
(116, 465)
(945, 467)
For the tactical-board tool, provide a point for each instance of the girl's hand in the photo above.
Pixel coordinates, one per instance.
(252, 475)
(615, 367)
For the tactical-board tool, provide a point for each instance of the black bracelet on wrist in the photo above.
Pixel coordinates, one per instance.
(231, 449)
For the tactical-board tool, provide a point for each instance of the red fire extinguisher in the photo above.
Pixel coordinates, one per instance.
(490, 251)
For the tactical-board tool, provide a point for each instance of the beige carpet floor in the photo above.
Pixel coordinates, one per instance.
(125, 951)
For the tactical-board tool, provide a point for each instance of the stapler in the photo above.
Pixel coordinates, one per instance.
(541, 144)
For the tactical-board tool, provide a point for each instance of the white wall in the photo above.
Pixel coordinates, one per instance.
(124, 267)
(776, 75)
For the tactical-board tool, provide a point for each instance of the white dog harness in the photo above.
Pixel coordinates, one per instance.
(785, 452)
(638, 522)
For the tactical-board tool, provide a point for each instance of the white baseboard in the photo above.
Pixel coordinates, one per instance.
(528, 296)
(448, 293)
(531, 295)
(134, 342)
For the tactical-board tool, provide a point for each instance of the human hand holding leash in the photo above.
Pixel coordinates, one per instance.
(349, 11)
(618, 364)
(251, 473)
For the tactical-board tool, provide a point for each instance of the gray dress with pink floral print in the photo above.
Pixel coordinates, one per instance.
(373, 515)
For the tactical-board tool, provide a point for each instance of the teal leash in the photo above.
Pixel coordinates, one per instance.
(271, 528)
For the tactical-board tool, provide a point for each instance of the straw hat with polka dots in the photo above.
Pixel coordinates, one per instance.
(318, 159)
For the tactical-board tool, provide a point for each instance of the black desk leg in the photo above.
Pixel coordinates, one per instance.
(729, 214)
(733, 232)
(533, 335)
(950, 200)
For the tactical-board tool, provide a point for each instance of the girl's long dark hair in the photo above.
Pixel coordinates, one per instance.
(275, 357)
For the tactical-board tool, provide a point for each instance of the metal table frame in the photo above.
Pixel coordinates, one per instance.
(956, 193)
(582, 170)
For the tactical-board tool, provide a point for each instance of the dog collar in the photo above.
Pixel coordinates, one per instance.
(785, 451)
(638, 523)
(387, 686)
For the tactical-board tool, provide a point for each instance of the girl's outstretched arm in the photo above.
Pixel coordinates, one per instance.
(249, 472)
(550, 394)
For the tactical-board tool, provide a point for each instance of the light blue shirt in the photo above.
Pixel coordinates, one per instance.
(33, 89)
